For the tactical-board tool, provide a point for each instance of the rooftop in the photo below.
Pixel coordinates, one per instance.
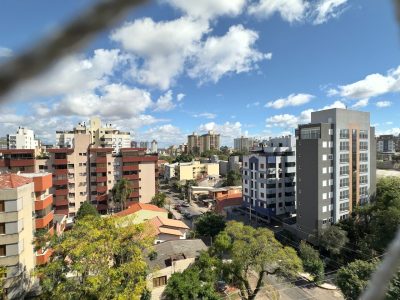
(12, 181)
(137, 207)
(158, 222)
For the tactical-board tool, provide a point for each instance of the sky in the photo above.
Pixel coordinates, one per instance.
(238, 67)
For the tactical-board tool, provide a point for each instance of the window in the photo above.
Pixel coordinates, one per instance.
(344, 170)
(330, 169)
(344, 158)
(344, 206)
(330, 131)
(262, 195)
(363, 191)
(324, 208)
(324, 170)
(262, 166)
(330, 181)
(261, 175)
(2, 206)
(324, 144)
(344, 133)
(310, 133)
(363, 134)
(159, 281)
(344, 146)
(245, 164)
(324, 221)
(344, 182)
(344, 194)
(364, 179)
(2, 228)
(324, 183)
(364, 157)
(363, 146)
(2, 250)
(324, 157)
(363, 168)
(330, 156)
(324, 196)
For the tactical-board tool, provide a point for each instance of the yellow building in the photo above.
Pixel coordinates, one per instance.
(191, 171)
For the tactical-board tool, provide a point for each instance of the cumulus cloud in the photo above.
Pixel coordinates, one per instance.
(253, 104)
(205, 115)
(291, 100)
(180, 97)
(164, 134)
(208, 8)
(316, 12)
(336, 104)
(361, 103)
(382, 104)
(163, 47)
(371, 86)
(5, 52)
(232, 53)
(227, 130)
(165, 102)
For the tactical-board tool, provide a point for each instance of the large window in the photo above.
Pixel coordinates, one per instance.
(2, 228)
(344, 133)
(364, 157)
(2, 206)
(363, 168)
(363, 134)
(344, 194)
(159, 281)
(344, 146)
(344, 158)
(310, 133)
(363, 146)
(3, 250)
(344, 206)
(344, 182)
(363, 191)
(364, 179)
(344, 170)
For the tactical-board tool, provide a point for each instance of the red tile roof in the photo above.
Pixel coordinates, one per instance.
(227, 201)
(159, 222)
(137, 207)
(12, 181)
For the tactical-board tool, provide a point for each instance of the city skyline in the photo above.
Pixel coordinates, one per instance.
(121, 75)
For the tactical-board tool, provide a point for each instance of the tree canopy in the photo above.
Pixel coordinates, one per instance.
(233, 179)
(312, 263)
(121, 192)
(159, 199)
(333, 239)
(184, 158)
(86, 209)
(105, 258)
(209, 224)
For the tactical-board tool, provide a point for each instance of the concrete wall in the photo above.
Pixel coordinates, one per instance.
(147, 185)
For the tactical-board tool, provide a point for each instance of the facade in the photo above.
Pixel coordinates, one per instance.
(336, 168)
(243, 144)
(23, 139)
(191, 171)
(3, 143)
(144, 145)
(269, 178)
(154, 146)
(173, 256)
(386, 144)
(168, 229)
(198, 144)
(99, 136)
(16, 229)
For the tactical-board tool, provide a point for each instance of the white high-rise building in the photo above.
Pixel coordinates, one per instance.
(23, 139)
(154, 146)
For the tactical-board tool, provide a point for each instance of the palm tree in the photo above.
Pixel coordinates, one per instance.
(121, 192)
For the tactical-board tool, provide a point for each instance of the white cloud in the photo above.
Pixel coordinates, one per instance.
(290, 10)
(291, 100)
(254, 104)
(208, 9)
(227, 130)
(327, 9)
(180, 97)
(165, 103)
(371, 86)
(394, 131)
(164, 134)
(206, 115)
(231, 53)
(361, 103)
(382, 104)
(5, 52)
(336, 104)
(316, 12)
(10, 118)
(164, 47)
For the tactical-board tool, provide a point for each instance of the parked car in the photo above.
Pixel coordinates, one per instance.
(185, 204)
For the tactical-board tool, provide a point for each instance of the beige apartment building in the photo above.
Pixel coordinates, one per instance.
(191, 171)
(16, 231)
(100, 136)
(197, 144)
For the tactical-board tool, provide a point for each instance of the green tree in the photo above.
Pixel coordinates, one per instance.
(121, 192)
(3, 273)
(312, 263)
(188, 285)
(253, 250)
(87, 209)
(233, 179)
(333, 239)
(209, 224)
(184, 158)
(353, 278)
(105, 258)
(159, 199)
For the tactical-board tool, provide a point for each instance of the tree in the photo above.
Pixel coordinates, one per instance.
(86, 209)
(3, 273)
(188, 285)
(159, 199)
(105, 258)
(184, 158)
(312, 263)
(253, 250)
(333, 239)
(209, 224)
(233, 179)
(121, 192)
(353, 278)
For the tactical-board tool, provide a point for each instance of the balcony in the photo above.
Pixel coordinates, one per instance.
(61, 211)
(43, 222)
(102, 198)
(101, 170)
(101, 179)
(2, 163)
(43, 182)
(61, 161)
(61, 171)
(42, 204)
(139, 158)
(101, 189)
(61, 202)
(22, 162)
(60, 182)
(61, 192)
(42, 257)
(131, 177)
(101, 159)
(130, 168)
(134, 195)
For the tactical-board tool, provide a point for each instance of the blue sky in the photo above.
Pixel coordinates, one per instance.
(240, 67)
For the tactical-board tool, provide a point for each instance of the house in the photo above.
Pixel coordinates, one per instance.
(171, 257)
(140, 212)
(168, 229)
(225, 203)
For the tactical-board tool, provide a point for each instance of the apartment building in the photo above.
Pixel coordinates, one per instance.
(191, 171)
(154, 146)
(336, 168)
(243, 144)
(3, 143)
(269, 178)
(100, 136)
(17, 198)
(386, 144)
(23, 139)
(198, 144)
